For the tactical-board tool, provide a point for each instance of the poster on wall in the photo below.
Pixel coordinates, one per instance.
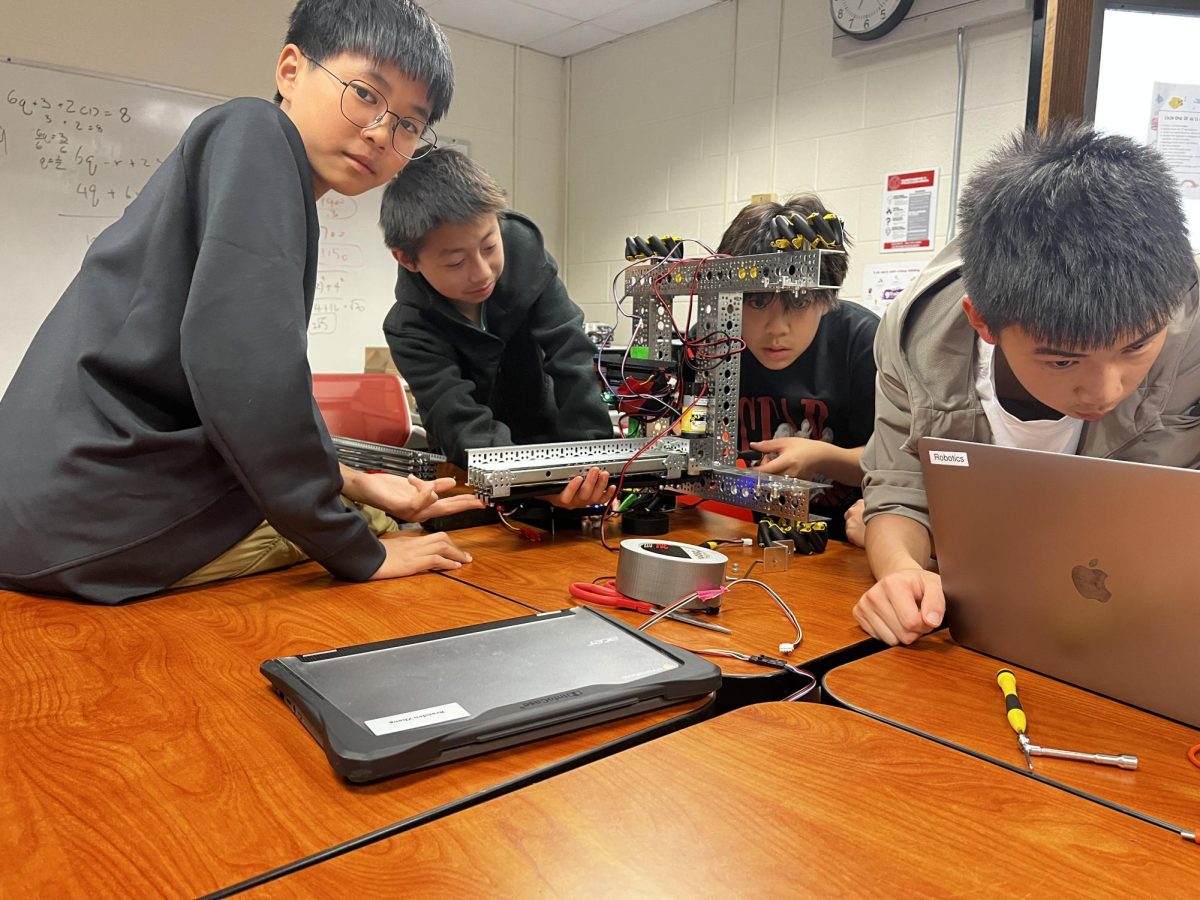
(1175, 132)
(909, 210)
(884, 282)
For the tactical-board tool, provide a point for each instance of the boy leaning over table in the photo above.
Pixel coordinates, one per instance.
(161, 430)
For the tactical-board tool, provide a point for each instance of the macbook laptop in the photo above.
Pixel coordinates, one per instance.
(1084, 569)
(394, 706)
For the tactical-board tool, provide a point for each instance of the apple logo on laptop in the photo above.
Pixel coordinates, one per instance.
(1089, 581)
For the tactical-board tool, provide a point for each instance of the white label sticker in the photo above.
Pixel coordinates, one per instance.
(434, 715)
(948, 458)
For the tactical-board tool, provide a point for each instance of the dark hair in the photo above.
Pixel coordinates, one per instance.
(444, 187)
(387, 32)
(750, 233)
(1077, 237)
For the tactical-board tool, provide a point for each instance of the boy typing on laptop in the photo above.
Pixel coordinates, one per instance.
(1065, 318)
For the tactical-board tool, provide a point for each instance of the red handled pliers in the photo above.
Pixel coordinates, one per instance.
(607, 595)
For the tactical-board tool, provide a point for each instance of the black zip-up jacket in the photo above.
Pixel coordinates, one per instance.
(530, 378)
(165, 406)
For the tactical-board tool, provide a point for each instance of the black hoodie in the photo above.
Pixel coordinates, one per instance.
(530, 378)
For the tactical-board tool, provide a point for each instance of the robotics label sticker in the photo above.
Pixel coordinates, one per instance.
(948, 458)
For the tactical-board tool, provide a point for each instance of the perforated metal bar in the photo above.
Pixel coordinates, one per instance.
(786, 270)
(368, 455)
(495, 471)
(771, 494)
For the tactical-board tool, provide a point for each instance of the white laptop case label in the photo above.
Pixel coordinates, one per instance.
(434, 715)
(948, 458)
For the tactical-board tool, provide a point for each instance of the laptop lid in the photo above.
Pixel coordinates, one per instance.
(394, 706)
(1084, 569)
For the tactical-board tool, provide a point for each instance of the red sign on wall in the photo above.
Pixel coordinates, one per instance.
(909, 210)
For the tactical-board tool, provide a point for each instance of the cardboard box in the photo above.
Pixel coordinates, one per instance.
(379, 359)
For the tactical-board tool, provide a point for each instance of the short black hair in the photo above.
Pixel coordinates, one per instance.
(1077, 237)
(443, 187)
(750, 233)
(387, 32)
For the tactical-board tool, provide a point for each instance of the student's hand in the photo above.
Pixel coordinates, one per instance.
(580, 491)
(798, 457)
(856, 528)
(408, 555)
(902, 606)
(409, 497)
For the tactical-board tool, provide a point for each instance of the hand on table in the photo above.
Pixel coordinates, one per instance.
(412, 554)
(902, 606)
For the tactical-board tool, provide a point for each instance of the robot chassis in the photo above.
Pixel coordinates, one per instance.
(701, 465)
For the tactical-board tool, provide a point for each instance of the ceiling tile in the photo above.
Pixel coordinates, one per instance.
(503, 20)
(575, 40)
(641, 16)
(581, 10)
(558, 27)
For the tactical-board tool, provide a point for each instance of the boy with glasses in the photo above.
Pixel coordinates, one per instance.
(808, 380)
(482, 328)
(161, 429)
(1065, 318)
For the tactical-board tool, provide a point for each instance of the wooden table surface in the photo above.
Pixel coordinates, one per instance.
(940, 689)
(773, 800)
(142, 753)
(821, 590)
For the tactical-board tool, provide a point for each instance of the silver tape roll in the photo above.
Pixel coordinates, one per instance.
(660, 572)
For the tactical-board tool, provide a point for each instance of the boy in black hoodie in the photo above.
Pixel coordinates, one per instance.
(482, 328)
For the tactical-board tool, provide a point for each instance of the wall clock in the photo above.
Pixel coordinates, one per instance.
(867, 20)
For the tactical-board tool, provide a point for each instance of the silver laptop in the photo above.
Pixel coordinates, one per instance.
(1084, 569)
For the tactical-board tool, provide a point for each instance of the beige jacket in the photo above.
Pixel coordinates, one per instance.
(927, 358)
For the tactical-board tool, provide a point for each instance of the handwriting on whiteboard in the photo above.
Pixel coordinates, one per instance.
(337, 258)
(82, 140)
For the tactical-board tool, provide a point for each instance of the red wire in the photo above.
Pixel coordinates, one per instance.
(621, 480)
(1193, 755)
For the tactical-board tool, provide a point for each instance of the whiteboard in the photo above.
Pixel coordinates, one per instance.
(75, 148)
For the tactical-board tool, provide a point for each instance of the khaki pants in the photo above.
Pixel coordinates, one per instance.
(265, 549)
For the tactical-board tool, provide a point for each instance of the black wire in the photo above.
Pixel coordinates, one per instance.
(463, 803)
(1020, 770)
(490, 591)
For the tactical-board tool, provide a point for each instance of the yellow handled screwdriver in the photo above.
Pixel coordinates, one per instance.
(1014, 712)
(1016, 720)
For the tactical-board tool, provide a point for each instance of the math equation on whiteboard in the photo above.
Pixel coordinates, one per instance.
(82, 141)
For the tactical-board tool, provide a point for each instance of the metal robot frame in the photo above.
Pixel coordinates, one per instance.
(704, 465)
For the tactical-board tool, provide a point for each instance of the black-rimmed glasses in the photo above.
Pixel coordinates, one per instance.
(364, 107)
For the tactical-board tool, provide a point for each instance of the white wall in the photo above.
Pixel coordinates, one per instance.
(673, 129)
(669, 130)
(229, 48)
